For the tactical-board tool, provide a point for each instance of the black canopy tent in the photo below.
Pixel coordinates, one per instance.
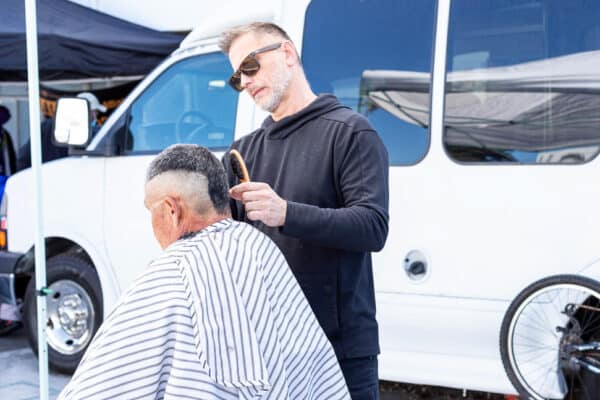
(76, 42)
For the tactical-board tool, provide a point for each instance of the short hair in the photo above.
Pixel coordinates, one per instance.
(267, 28)
(194, 159)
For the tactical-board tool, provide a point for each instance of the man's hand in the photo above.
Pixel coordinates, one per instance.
(261, 202)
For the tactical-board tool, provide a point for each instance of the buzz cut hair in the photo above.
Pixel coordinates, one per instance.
(189, 161)
(265, 28)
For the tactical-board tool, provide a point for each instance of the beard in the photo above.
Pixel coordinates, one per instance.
(282, 77)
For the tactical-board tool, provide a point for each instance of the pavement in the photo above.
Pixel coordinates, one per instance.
(19, 378)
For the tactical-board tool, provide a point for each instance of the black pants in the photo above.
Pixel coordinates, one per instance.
(361, 377)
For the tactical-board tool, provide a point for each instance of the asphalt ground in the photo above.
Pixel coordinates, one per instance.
(19, 379)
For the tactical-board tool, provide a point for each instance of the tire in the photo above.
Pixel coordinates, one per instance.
(74, 310)
(538, 332)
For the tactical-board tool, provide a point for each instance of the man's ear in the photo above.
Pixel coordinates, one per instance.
(291, 57)
(174, 209)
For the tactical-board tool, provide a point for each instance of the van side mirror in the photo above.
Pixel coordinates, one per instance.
(72, 125)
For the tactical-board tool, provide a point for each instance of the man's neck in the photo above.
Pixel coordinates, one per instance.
(297, 97)
(198, 222)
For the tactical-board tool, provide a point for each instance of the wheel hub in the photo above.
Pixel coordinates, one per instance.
(71, 317)
(73, 314)
(567, 349)
(571, 338)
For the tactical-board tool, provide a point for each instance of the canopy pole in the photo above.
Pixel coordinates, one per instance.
(35, 139)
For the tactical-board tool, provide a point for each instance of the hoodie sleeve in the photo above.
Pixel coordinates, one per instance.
(362, 223)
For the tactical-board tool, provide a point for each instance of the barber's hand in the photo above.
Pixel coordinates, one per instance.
(261, 202)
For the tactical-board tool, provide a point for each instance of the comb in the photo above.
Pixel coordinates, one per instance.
(238, 166)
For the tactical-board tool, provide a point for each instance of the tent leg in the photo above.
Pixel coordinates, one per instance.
(35, 138)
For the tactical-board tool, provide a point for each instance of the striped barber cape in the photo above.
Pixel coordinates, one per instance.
(218, 316)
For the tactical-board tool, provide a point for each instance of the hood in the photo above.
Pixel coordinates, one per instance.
(281, 129)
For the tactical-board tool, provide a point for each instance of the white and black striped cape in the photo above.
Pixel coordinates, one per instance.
(217, 316)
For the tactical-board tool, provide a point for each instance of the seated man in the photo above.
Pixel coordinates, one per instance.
(219, 315)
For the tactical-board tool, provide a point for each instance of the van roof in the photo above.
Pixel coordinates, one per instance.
(224, 17)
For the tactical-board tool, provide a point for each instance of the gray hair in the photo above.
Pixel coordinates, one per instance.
(265, 28)
(193, 160)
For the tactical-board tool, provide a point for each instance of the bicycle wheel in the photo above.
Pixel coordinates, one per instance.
(550, 339)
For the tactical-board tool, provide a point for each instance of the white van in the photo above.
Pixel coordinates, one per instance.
(490, 111)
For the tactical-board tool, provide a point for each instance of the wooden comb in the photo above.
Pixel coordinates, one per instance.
(238, 166)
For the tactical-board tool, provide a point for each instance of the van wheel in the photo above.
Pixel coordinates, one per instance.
(550, 339)
(74, 310)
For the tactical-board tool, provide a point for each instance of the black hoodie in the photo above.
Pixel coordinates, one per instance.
(332, 168)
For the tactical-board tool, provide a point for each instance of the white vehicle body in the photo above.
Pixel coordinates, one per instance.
(485, 231)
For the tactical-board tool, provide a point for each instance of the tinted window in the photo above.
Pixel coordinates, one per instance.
(189, 103)
(363, 51)
(523, 81)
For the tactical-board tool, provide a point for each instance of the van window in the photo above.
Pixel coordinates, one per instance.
(523, 81)
(189, 103)
(362, 51)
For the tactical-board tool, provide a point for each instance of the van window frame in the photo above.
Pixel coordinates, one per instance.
(460, 162)
(127, 112)
(427, 142)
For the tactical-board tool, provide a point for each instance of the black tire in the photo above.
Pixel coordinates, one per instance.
(580, 382)
(66, 342)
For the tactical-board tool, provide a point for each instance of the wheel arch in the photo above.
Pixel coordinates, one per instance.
(54, 246)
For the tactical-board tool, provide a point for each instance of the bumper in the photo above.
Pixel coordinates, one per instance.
(8, 300)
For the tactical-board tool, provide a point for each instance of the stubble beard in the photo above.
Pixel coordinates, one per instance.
(280, 83)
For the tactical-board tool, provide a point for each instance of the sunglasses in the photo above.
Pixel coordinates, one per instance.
(249, 66)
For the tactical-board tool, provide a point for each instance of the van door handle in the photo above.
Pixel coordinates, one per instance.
(417, 268)
(415, 265)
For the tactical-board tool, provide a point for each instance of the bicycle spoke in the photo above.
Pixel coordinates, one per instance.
(531, 339)
(543, 375)
(534, 372)
(537, 326)
(595, 318)
(592, 312)
(530, 362)
(544, 319)
(541, 390)
(534, 348)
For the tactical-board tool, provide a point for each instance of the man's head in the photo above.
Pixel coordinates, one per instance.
(265, 63)
(186, 190)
